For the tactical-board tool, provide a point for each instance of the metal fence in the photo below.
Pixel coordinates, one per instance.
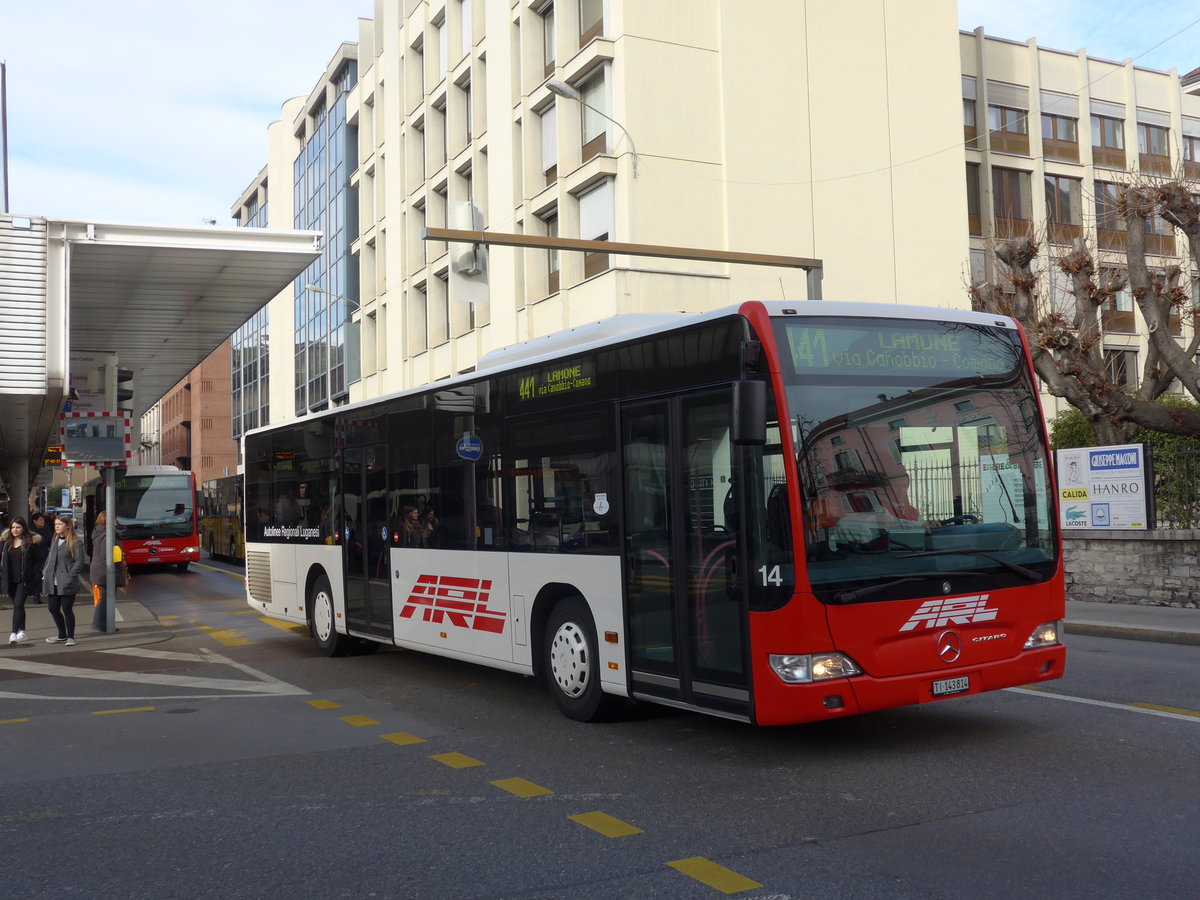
(1176, 488)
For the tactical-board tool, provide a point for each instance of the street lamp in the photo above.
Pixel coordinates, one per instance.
(562, 89)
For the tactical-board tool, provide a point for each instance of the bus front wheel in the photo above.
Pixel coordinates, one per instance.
(321, 621)
(571, 662)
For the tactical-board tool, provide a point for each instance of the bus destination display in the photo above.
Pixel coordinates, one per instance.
(561, 378)
(951, 350)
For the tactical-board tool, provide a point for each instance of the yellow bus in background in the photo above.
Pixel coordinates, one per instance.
(221, 532)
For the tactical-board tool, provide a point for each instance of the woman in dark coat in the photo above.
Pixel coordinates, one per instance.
(43, 525)
(20, 571)
(65, 560)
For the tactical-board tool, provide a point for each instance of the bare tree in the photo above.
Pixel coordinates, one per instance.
(1066, 340)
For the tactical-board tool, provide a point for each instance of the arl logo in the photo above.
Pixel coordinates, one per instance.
(462, 602)
(958, 611)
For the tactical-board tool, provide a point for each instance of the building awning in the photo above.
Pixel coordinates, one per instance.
(161, 298)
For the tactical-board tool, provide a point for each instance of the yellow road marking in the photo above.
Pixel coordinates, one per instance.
(243, 612)
(228, 636)
(113, 712)
(12, 721)
(324, 704)
(708, 872)
(1170, 709)
(521, 787)
(399, 737)
(456, 760)
(239, 599)
(359, 721)
(605, 824)
(291, 627)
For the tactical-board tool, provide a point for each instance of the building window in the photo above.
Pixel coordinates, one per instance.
(1064, 208)
(1116, 313)
(1110, 223)
(595, 126)
(549, 120)
(442, 48)
(1122, 368)
(1060, 138)
(596, 224)
(466, 34)
(974, 207)
(1011, 196)
(547, 14)
(591, 20)
(552, 255)
(1009, 129)
(1191, 157)
(1154, 157)
(1108, 142)
(970, 129)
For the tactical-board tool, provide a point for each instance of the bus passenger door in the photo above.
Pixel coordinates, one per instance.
(366, 541)
(687, 604)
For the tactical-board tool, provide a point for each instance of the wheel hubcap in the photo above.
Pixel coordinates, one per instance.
(569, 661)
(322, 616)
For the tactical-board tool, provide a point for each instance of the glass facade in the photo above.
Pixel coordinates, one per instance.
(326, 295)
(249, 373)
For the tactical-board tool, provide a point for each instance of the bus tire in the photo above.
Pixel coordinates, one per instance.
(212, 548)
(182, 567)
(571, 662)
(321, 621)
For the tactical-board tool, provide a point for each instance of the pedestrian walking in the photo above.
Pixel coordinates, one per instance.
(43, 526)
(65, 560)
(20, 570)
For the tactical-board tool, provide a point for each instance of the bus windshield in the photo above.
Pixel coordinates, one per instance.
(155, 506)
(921, 457)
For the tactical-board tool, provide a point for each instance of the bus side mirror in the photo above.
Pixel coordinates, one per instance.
(749, 424)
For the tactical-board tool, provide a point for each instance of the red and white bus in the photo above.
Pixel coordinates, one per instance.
(158, 516)
(776, 513)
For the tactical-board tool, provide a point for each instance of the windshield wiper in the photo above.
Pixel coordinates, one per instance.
(1025, 573)
(860, 593)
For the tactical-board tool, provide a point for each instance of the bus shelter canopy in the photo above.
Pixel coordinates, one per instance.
(161, 298)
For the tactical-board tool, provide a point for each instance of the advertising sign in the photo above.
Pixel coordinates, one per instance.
(1103, 487)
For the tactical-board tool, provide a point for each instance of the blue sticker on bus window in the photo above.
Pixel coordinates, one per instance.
(469, 447)
(383, 534)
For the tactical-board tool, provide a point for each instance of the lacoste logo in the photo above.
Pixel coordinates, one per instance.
(956, 611)
(459, 602)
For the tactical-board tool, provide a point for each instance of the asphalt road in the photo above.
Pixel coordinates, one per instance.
(231, 760)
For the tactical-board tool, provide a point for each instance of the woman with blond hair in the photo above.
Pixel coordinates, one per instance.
(60, 579)
(20, 571)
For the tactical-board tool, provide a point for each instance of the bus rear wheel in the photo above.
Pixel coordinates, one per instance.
(571, 662)
(321, 621)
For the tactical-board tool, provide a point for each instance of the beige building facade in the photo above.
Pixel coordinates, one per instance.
(837, 133)
(1050, 138)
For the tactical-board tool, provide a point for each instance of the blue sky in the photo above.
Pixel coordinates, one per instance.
(156, 110)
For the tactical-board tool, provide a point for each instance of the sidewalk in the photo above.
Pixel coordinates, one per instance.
(1165, 624)
(136, 626)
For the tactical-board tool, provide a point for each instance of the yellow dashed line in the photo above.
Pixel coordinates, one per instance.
(399, 737)
(521, 787)
(456, 760)
(113, 712)
(359, 721)
(227, 636)
(290, 627)
(324, 704)
(605, 824)
(243, 612)
(1170, 709)
(12, 721)
(708, 872)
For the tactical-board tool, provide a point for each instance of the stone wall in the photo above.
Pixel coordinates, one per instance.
(1150, 568)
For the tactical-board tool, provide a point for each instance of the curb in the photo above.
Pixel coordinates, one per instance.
(1133, 634)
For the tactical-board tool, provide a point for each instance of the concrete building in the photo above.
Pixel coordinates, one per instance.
(1050, 137)
(695, 126)
(681, 124)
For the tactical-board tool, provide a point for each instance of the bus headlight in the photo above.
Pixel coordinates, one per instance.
(809, 667)
(1045, 635)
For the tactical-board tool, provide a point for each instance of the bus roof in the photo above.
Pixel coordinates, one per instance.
(632, 326)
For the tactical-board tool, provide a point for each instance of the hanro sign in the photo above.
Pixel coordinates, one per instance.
(1103, 487)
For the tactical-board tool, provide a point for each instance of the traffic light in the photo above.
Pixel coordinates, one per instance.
(125, 393)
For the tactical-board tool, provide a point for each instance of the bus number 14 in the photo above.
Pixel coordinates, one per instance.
(773, 576)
